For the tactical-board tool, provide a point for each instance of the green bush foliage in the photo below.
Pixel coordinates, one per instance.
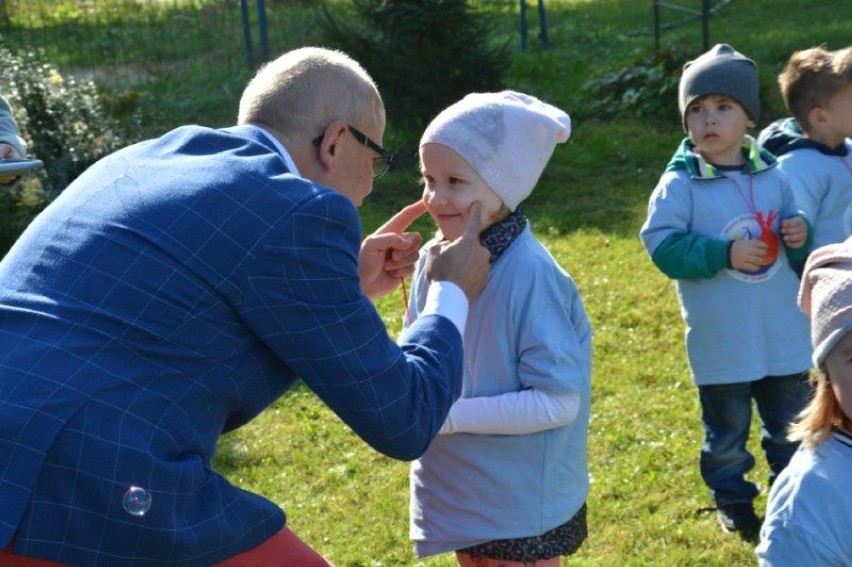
(646, 89)
(18, 205)
(423, 54)
(65, 124)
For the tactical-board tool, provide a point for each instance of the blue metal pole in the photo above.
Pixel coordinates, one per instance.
(247, 32)
(522, 22)
(261, 23)
(657, 26)
(542, 24)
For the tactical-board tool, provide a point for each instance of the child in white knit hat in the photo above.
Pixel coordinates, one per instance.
(505, 482)
(723, 223)
(810, 506)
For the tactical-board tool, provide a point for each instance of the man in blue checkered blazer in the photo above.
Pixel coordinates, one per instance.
(179, 287)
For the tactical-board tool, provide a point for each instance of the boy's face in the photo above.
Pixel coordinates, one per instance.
(838, 365)
(450, 185)
(835, 122)
(717, 125)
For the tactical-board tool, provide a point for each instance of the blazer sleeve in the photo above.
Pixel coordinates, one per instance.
(304, 301)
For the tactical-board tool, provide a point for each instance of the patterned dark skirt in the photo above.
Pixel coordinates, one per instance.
(561, 540)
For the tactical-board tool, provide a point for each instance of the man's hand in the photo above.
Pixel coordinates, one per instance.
(463, 261)
(747, 255)
(388, 255)
(794, 231)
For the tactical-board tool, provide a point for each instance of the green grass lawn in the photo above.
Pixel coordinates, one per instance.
(648, 505)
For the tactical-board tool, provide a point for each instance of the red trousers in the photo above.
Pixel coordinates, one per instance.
(281, 550)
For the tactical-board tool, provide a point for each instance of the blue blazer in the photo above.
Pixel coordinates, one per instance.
(170, 294)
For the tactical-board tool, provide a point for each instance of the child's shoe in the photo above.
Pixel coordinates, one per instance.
(738, 517)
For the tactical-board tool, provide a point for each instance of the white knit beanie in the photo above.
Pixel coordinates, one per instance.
(506, 137)
(826, 296)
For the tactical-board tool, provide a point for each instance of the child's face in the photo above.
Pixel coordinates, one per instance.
(838, 365)
(835, 123)
(450, 185)
(717, 125)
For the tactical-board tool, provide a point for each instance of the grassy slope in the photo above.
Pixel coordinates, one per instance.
(647, 504)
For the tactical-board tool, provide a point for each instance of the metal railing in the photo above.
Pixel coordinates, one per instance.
(707, 8)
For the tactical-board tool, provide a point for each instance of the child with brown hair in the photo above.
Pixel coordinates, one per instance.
(813, 147)
(810, 506)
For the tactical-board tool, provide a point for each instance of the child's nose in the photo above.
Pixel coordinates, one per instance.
(435, 197)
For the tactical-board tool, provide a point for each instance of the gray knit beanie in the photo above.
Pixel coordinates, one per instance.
(506, 137)
(722, 70)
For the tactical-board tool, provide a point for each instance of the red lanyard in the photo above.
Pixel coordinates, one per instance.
(405, 300)
(750, 201)
(765, 222)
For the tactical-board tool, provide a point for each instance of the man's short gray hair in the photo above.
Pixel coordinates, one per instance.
(303, 91)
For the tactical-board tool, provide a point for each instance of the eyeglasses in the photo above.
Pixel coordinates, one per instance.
(381, 164)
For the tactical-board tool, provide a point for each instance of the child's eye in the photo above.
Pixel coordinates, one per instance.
(725, 106)
(693, 109)
(455, 181)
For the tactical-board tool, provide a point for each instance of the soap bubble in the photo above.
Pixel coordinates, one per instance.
(136, 501)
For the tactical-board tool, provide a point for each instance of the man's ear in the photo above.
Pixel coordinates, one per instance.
(330, 145)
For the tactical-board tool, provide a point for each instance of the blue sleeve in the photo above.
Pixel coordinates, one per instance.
(792, 208)
(788, 544)
(554, 366)
(669, 239)
(304, 301)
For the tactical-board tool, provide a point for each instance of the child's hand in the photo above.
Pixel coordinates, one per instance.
(794, 231)
(747, 255)
(8, 152)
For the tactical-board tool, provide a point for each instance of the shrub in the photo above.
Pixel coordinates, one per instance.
(65, 124)
(649, 89)
(423, 54)
(18, 205)
(646, 89)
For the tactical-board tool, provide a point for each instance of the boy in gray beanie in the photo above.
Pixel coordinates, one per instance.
(722, 223)
(524, 409)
